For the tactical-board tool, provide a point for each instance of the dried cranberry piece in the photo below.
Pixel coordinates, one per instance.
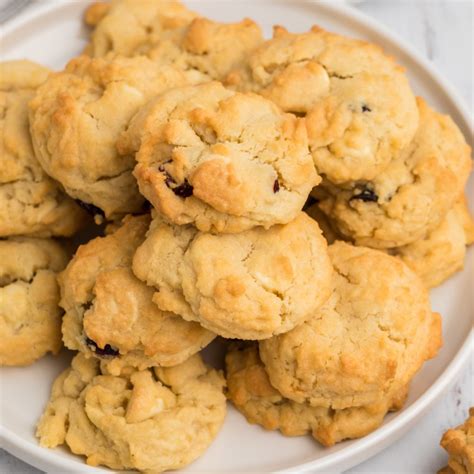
(168, 178)
(183, 190)
(108, 350)
(366, 195)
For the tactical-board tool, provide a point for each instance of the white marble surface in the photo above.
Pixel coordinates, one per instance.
(443, 31)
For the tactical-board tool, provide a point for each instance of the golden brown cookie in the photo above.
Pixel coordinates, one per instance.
(30, 316)
(170, 34)
(129, 27)
(221, 160)
(110, 313)
(411, 196)
(434, 258)
(152, 420)
(31, 203)
(77, 116)
(249, 285)
(441, 253)
(366, 343)
(459, 443)
(250, 391)
(210, 47)
(357, 103)
(95, 12)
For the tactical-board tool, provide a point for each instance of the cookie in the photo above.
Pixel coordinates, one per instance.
(249, 285)
(31, 203)
(218, 159)
(110, 313)
(95, 12)
(210, 47)
(459, 443)
(129, 27)
(441, 253)
(365, 344)
(152, 420)
(433, 258)
(250, 391)
(412, 196)
(77, 116)
(170, 34)
(357, 103)
(30, 316)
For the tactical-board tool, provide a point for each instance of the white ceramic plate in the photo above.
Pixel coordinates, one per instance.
(51, 33)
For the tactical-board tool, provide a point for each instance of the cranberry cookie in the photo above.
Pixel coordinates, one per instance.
(152, 420)
(31, 203)
(110, 313)
(357, 102)
(76, 118)
(30, 316)
(249, 285)
(365, 344)
(218, 159)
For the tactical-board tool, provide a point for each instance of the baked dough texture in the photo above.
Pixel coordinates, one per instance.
(250, 285)
(250, 391)
(441, 253)
(128, 27)
(31, 203)
(170, 34)
(366, 343)
(412, 195)
(210, 47)
(152, 420)
(357, 103)
(77, 116)
(110, 313)
(222, 160)
(459, 443)
(30, 316)
(434, 258)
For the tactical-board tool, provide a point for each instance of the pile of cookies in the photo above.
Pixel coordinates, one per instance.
(290, 195)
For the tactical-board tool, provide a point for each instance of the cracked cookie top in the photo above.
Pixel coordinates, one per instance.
(77, 116)
(412, 195)
(459, 443)
(249, 285)
(170, 34)
(249, 389)
(31, 203)
(30, 316)
(153, 420)
(110, 313)
(357, 103)
(366, 343)
(221, 160)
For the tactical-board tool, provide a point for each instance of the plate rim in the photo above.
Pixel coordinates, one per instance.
(385, 435)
